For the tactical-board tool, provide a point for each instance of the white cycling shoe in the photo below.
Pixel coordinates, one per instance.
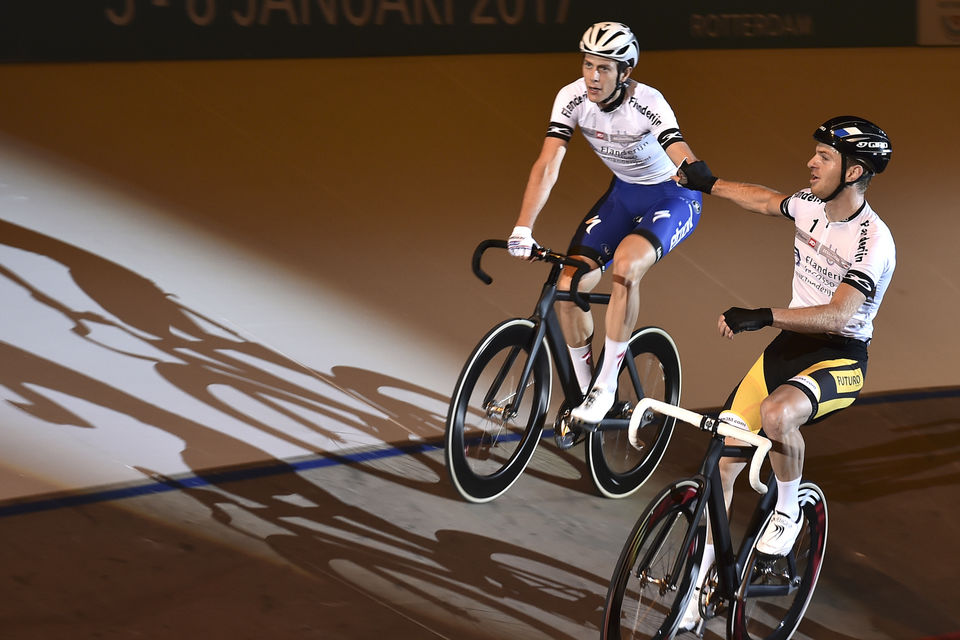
(595, 406)
(780, 534)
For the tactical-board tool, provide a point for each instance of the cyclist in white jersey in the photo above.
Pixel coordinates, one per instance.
(844, 259)
(643, 215)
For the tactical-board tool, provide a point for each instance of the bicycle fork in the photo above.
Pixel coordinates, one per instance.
(547, 325)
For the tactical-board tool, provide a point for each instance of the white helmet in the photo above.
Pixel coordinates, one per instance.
(612, 40)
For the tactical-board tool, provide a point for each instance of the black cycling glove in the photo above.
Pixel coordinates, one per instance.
(696, 176)
(739, 319)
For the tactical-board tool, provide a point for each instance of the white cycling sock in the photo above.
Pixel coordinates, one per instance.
(613, 353)
(788, 497)
(582, 365)
(692, 613)
(709, 555)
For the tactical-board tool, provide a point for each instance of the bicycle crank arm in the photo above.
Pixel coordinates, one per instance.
(613, 424)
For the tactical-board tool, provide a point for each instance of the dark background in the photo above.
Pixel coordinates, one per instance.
(88, 30)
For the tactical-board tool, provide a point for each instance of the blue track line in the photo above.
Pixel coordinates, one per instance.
(206, 479)
(329, 460)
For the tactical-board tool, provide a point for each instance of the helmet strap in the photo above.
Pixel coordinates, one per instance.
(616, 98)
(843, 178)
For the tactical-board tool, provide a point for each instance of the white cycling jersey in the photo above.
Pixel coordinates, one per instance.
(630, 138)
(858, 251)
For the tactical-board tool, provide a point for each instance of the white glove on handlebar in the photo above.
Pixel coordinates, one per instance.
(521, 242)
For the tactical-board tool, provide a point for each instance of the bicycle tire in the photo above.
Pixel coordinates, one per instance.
(640, 602)
(617, 467)
(485, 454)
(774, 594)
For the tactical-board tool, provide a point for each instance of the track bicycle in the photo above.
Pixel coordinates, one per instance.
(502, 397)
(748, 594)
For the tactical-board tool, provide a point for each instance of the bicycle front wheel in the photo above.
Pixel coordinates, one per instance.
(774, 592)
(651, 370)
(489, 437)
(655, 574)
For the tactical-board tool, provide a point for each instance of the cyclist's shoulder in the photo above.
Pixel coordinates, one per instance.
(872, 218)
(875, 230)
(645, 91)
(641, 94)
(802, 204)
(570, 98)
(577, 87)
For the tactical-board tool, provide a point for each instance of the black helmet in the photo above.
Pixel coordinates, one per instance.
(857, 138)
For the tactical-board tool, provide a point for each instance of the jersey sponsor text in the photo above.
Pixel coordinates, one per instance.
(573, 104)
(644, 110)
(848, 381)
(681, 232)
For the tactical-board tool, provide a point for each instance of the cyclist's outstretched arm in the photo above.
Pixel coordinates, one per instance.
(543, 176)
(751, 197)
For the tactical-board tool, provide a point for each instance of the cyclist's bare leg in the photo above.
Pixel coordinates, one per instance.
(730, 469)
(631, 261)
(576, 323)
(782, 413)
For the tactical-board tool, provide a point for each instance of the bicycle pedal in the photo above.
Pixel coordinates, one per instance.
(567, 440)
(565, 434)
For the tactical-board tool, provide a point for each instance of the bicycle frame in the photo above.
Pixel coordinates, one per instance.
(755, 592)
(492, 394)
(547, 323)
(729, 566)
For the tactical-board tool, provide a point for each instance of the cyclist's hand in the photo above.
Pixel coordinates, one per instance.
(736, 319)
(521, 242)
(696, 176)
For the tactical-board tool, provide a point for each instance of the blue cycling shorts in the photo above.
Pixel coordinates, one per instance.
(665, 214)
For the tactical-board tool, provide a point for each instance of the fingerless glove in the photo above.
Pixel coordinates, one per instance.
(739, 319)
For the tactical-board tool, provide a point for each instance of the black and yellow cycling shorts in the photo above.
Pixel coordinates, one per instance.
(829, 370)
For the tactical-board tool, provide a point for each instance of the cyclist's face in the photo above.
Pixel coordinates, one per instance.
(824, 170)
(600, 75)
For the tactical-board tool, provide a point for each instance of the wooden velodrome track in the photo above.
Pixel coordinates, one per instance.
(260, 268)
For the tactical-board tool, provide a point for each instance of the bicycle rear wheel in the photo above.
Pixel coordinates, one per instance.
(652, 370)
(488, 440)
(775, 592)
(657, 568)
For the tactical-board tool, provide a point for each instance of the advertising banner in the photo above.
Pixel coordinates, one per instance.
(938, 22)
(75, 30)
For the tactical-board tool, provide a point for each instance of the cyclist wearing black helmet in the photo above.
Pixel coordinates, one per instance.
(844, 259)
(643, 215)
